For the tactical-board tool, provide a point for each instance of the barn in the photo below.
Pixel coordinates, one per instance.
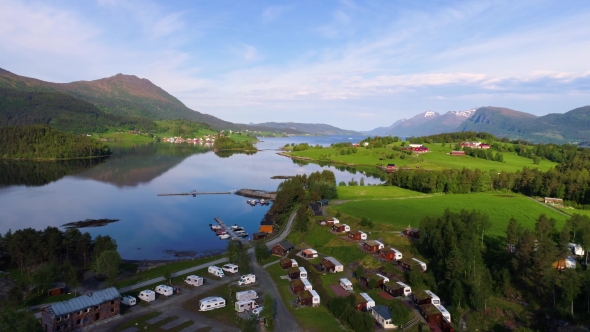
(282, 248)
(457, 153)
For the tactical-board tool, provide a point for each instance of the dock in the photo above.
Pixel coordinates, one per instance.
(194, 193)
(254, 193)
(228, 229)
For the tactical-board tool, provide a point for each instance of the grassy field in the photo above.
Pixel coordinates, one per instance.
(576, 211)
(143, 325)
(399, 213)
(374, 192)
(438, 158)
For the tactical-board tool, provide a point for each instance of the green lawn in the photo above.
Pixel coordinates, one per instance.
(373, 192)
(438, 158)
(400, 213)
(143, 325)
(576, 211)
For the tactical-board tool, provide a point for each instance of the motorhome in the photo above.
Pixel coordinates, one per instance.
(247, 279)
(245, 305)
(231, 268)
(164, 290)
(211, 303)
(306, 284)
(128, 300)
(246, 295)
(434, 299)
(147, 295)
(346, 284)
(216, 271)
(444, 312)
(194, 280)
(302, 273)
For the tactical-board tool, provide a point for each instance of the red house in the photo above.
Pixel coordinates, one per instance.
(457, 153)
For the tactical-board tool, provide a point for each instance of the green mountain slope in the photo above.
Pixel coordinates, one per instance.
(309, 128)
(62, 112)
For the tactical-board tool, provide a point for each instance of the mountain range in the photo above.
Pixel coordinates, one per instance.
(309, 128)
(572, 126)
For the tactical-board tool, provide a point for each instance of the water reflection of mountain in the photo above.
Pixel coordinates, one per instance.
(229, 153)
(40, 173)
(131, 165)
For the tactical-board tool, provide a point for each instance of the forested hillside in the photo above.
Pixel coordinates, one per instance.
(63, 112)
(43, 142)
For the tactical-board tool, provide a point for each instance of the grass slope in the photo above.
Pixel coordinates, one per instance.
(436, 159)
(399, 213)
(372, 192)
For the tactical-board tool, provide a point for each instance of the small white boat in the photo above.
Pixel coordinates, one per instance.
(223, 236)
(234, 227)
(251, 202)
(215, 227)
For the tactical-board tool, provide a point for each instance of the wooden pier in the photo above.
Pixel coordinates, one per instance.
(228, 229)
(194, 193)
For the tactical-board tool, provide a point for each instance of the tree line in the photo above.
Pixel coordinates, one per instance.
(226, 143)
(44, 142)
(38, 173)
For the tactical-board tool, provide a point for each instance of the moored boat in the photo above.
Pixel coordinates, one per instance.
(223, 236)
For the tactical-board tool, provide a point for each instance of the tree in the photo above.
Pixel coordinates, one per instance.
(359, 272)
(372, 283)
(232, 252)
(45, 276)
(268, 311)
(108, 265)
(261, 251)
(571, 286)
(12, 320)
(71, 277)
(362, 183)
(512, 231)
(399, 312)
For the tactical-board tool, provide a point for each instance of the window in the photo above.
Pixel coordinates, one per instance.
(87, 309)
(112, 302)
(96, 307)
(58, 319)
(58, 328)
(79, 321)
(112, 309)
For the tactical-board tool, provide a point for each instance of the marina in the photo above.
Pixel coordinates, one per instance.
(235, 232)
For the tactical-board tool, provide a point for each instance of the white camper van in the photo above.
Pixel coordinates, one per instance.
(434, 299)
(346, 284)
(398, 254)
(147, 295)
(445, 313)
(294, 263)
(216, 271)
(194, 280)
(315, 300)
(211, 303)
(231, 268)
(407, 289)
(247, 279)
(245, 305)
(302, 273)
(164, 290)
(246, 295)
(128, 300)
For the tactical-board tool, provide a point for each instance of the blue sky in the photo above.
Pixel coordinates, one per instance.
(353, 64)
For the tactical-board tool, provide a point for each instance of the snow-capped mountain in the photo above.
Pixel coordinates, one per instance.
(426, 123)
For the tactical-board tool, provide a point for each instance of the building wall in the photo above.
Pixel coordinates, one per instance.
(76, 320)
(278, 250)
(265, 228)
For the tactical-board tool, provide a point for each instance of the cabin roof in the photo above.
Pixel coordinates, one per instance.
(382, 311)
(304, 294)
(429, 309)
(84, 301)
(286, 245)
(372, 243)
(297, 283)
(332, 260)
(293, 269)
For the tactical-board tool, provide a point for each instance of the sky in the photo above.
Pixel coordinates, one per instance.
(352, 64)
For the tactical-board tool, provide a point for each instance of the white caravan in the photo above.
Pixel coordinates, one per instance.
(407, 289)
(576, 249)
(385, 279)
(306, 284)
(164, 290)
(398, 254)
(147, 295)
(194, 280)
(370, 302)
(257, 311)
(445, 313)
(231, 268)
(247, 279)
(302, 273)
(422, 264)
(245, 305)
(434, 299)
(346, 284)
(294, 263)
(128, 300)
(246, 295)
(216, 271)
(315, 300)
(211, 303)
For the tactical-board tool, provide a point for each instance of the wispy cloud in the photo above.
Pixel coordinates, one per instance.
(273, 13)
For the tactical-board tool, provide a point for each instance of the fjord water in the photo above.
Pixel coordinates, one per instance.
(125, 187)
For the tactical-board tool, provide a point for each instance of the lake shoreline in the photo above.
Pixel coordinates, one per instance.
(54, 159)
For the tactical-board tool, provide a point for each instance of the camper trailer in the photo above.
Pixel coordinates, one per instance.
(444, 312)
(302, 273)
(246, 295)
(194, 280)
(147, 295)
(247, 279)
(346, 284)
(422, 264)
(397, 254)
(245, 305)
(364, 302)
(294, 263)
(211, 303)
(216, 271)
(315, 298)
(576, 249)
(306, 284)
(397, 289)
(384, 278)
(231, 268)
(128, 300)
(164, 290)
(434, 299)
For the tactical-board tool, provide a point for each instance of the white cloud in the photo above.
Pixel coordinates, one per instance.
(273, 13)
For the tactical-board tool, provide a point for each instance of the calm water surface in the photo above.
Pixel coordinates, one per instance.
(125, 187)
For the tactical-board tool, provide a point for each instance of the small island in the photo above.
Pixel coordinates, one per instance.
(41, 142)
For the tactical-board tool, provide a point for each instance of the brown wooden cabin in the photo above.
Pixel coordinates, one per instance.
(339, 228)
(297, 286)
(305, 297)
(259, 235)
(82, 311)
(423, 297)
(387, 254)
(282, 248)
(412, 232)
(394, 289)
(409, 264)
(371, 246)
(286, 263)
(378, 279)
(431, 314)
(355, 235)
(293, 272)
(446, 327)
(57, 289)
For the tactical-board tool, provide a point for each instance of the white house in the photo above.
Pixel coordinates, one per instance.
(383, 317)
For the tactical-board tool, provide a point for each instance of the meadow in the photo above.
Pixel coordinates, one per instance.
(374, 192)
(398, 213)
(437, 159)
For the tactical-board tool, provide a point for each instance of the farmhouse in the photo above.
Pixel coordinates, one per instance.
(383, 317)
(266, 226)
(282, 248)
(397, 289)
(390, 254)
(357, 235)
(341, 228)
(473, 145)
(309, 298)
(373, 245)
(554, 201)
(416, 148)
(288, 262)
(332, 265)
(81, 311)
(364, 302)
(457, 153)
(309, 253)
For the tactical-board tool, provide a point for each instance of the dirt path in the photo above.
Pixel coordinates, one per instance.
(549, 207)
